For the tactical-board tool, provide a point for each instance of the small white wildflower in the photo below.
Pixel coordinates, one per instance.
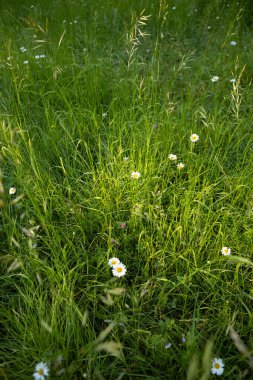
(217, 367)
(38, 56)
(172, 157)
(12, 190)
(125, 158)
(135, 175)
(194, 137)
(75, 21)
(167, 345)
(119, 270)
(22, 49)
(215, 78)
(104, 115)
(25, 62)
(233, 80)
(113, 261)
(41, 371)
(233, 43)
(173, 8)
(180, 166)
(217, 18)
(209, 27)
(226, 251)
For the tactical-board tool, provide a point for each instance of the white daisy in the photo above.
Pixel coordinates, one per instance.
(233, 43)
(232, 80)
(12, 190)
(180, 166)
(226, 251)
(41, 371)
(215, 78)
(217, 367)
(135, 175)
(113, 261)
(194, 137)
(172, 157)
(119, 270)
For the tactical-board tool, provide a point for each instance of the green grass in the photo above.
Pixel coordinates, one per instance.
(123, 84)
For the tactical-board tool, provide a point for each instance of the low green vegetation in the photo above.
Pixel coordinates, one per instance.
(126, 133)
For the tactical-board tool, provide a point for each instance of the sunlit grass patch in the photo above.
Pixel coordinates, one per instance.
(125, 153)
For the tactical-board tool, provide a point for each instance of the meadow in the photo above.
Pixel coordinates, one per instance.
(126, 189)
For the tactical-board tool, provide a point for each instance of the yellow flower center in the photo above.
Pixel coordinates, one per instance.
(41, 371)
(217, 365)
(119, 270)
(114, 262)
(226, 250)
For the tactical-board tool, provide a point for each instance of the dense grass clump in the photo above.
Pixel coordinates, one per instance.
(100, 101)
